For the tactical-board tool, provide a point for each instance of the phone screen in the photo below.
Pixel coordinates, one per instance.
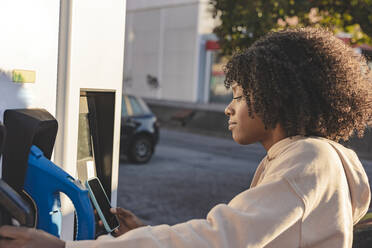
(103, 203)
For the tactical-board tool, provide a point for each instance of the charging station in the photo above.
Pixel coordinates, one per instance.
(66, 57)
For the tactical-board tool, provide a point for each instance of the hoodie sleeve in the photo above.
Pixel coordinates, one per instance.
(253, 218)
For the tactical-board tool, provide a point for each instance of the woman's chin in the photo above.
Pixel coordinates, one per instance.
(242, 140)
(238, 139)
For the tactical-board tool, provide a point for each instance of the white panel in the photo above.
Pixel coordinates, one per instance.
(146, 4)
(179, 53)
(29, 41)
(97, 36)
(128, 50)
(164, 45)
(144, 46)
(94, 61)
(180, 39)
(183, 16)
(178, 76)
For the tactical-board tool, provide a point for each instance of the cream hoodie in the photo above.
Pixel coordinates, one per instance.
(307, 192)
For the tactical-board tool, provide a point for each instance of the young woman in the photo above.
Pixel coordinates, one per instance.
(297, 92)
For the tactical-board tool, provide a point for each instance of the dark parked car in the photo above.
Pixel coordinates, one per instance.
(139, 130)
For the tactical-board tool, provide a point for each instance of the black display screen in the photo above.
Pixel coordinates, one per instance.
(97, 190)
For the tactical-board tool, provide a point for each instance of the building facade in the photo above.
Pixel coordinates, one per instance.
(170, 50)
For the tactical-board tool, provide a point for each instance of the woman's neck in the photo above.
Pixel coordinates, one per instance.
(273, 136)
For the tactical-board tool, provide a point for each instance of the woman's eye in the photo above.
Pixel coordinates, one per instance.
(237, 98)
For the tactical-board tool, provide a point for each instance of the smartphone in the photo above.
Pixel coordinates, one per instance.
(102, 204)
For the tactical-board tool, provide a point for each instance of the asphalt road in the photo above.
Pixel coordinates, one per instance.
(187, 176)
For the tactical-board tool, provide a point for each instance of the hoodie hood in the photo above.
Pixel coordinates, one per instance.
(357, 180)
(356, 176)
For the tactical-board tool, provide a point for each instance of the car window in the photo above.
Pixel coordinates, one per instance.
(144, 106)
(136, 106)
(124, 111)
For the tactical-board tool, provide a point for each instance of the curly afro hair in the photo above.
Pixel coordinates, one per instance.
(307, 80)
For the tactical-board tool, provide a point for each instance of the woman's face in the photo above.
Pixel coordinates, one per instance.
(245, 129)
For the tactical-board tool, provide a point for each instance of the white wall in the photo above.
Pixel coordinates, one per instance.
(91, 57)
(29, 41)
(143, 51)
(148, 4)
(162, 42)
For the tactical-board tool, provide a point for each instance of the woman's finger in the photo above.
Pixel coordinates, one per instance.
(14, 232)
(123, 212)
(8, 243)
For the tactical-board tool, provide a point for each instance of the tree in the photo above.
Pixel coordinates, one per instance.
(244, 21)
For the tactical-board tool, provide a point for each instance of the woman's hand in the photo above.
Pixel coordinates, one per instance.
(127, 221)
(23, 237)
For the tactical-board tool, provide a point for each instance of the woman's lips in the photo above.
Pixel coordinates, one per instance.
(231, 125)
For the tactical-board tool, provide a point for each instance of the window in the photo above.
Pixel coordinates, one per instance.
(124, 111)
(136, 107)
(144, 107)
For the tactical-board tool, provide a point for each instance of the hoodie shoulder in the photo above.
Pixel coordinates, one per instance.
(319, 169)
(306, 156)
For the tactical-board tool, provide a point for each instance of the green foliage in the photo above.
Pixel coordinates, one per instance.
(244, 21)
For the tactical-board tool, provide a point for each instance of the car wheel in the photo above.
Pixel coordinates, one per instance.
(141, 150)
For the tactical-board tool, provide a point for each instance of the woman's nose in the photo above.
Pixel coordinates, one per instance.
(228, 110)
